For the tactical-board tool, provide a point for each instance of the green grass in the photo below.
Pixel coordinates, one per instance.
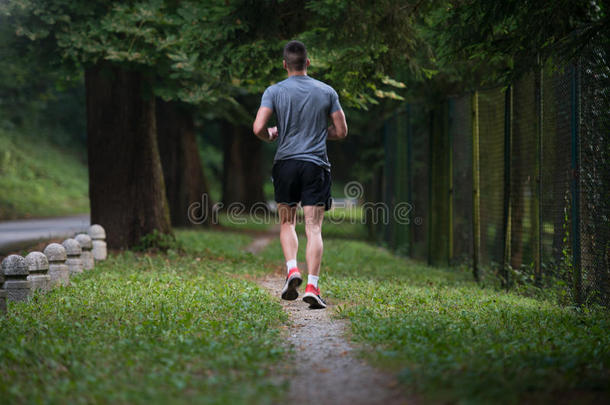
(450, 340)
(188, 326)
(213, 244)
(342, 223)
(245, 222)
(338, 223)
(38, 179)
(175, 328)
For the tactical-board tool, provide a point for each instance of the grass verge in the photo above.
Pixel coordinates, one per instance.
(451, 340)
(38, 179)
(175, 328)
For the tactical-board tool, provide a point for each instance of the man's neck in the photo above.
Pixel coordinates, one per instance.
(297, 73)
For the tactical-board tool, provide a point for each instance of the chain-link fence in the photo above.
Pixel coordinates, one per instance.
(460, 134)
(593, 81)
(419, 122)
(524, 176)
(514, 181)
(404, 184)
(491, 162)
(557, 174)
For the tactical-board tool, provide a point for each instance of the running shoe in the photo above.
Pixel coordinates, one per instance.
(312, 297)
(293, 281)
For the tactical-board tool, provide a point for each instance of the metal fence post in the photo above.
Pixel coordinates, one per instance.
(508, 145)
(410, 178)
(450, 122)
(536, 221)
(439, 180)
(388, 180)
(431, 212)
(575, 186)
(401, 234)
(476, 229)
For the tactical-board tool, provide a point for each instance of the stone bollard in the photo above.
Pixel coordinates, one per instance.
(38, 267)
(98, 235)
(86, 245)
(73, 250)
(16, 282)
(58, 271)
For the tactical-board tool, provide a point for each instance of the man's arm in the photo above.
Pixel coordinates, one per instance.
(260, 125)
(338, 129)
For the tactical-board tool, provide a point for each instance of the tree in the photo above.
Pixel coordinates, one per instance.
(120, 46)
(185, 182)
(126, 188)
(242, 175)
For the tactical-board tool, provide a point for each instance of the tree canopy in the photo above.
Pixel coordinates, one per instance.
(490, 42)
(206, 52)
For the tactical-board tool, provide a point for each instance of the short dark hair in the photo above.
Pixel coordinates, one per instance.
(295, 55)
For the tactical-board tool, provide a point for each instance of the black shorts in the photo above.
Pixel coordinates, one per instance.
(297, 181)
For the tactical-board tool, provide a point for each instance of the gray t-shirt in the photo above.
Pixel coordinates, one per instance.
(302, 106)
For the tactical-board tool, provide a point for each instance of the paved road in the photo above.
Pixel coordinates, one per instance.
(22, 233)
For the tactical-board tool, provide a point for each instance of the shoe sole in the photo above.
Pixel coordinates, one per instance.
(290, 293)
(313, 301)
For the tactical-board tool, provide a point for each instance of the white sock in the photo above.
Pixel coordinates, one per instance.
(291, 264)
(313, 280)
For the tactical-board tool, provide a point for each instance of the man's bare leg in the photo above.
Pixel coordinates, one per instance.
(290, 246)
(288, 235)
(313, 229)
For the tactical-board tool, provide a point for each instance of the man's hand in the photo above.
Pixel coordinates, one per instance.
(273, 134)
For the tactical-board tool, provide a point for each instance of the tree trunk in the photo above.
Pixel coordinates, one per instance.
(126, 189)
(243, 177)
(185, 184)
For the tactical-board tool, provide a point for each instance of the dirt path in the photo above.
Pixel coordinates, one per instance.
(325, 369)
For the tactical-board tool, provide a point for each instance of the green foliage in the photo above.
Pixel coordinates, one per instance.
(35, 93)
(212, 160)
(489, 42)
(146, 329)
(134, 34)
(217, 52)
(38, 179)
(357, 46)
(157, 241)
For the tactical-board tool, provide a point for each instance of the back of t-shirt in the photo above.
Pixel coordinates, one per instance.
(302, 105)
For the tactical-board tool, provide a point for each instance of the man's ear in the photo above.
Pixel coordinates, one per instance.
(285, 65)
(307, 63)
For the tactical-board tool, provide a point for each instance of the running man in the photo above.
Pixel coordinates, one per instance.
(301, 170)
